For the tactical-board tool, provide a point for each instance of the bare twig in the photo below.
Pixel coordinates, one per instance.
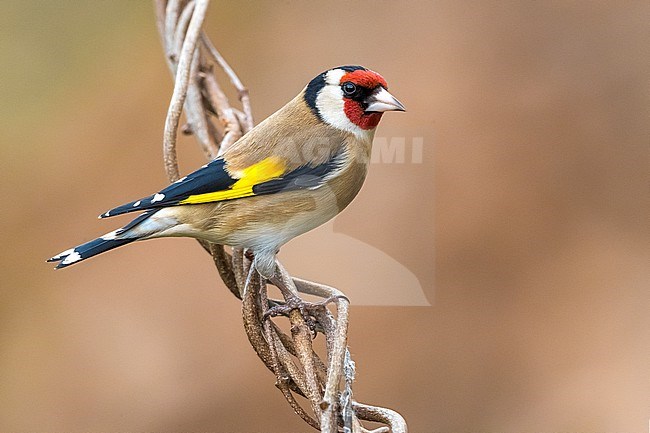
(380, 414)
(171, 17)
(234, 79)
(219, 101)
(302, 338)
(335, 368)
(223, 262)
(298, 369)
(181, 84)
(175, 43)
(283, 379)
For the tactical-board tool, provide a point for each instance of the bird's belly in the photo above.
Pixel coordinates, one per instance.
(264, 222)
(271, 236)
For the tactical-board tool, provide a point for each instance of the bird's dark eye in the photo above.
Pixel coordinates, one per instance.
(349, 89)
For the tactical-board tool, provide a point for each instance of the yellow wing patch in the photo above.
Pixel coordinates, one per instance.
(267, 169)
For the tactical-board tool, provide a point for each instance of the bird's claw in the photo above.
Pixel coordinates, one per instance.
(250, 255)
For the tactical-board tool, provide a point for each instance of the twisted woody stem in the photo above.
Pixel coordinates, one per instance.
(299, 371)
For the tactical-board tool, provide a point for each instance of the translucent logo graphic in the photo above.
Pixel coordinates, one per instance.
(368, 275)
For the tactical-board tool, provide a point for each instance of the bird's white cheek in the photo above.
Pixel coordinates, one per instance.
(330, 104)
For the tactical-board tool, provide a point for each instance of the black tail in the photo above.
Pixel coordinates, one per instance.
(87, 250)
(99, 245)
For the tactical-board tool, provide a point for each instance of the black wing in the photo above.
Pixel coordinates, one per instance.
(213, 183)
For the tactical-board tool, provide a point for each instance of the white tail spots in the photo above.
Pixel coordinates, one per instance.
(110, 236)
(157, 197)
(182, 178)
(71, 258)
(137, 203)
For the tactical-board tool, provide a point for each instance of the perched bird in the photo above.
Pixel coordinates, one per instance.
(291, 173)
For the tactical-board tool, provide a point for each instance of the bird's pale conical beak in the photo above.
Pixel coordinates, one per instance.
(380, 101)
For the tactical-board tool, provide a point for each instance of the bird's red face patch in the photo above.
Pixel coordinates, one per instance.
(354, 109)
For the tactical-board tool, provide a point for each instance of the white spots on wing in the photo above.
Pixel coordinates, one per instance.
(182, 179)
(110, 236)
(158, 197)
(107, 214)
(71, 258)
(137, 203)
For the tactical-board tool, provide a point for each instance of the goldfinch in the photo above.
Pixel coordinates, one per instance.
(291, 173)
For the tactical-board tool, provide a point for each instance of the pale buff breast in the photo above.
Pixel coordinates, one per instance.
(269, 221)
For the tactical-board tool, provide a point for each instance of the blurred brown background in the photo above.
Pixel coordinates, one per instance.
(526, 224)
